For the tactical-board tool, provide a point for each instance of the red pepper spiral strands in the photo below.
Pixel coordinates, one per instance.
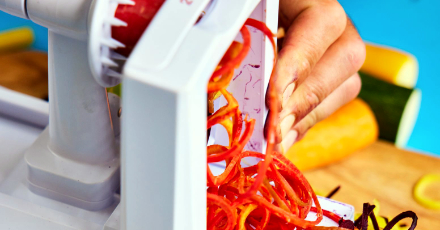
(272, 194)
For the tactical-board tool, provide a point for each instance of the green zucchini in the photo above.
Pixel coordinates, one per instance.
(396, 108)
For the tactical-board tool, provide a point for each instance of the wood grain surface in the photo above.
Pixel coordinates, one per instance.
(25, 72)
(385, 173)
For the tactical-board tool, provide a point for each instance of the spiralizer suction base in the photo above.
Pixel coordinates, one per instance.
(89, 186)
(20, 207)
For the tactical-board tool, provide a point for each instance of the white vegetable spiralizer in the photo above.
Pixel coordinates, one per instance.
(69, 177)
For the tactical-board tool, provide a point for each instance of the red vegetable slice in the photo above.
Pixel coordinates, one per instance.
(225, 205)
(235, 62)
(137, 17)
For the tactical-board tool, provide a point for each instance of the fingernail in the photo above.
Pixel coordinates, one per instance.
(289, 140)
(286, 124)
(287, 93)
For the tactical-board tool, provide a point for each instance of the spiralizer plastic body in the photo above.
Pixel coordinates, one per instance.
(75, 160)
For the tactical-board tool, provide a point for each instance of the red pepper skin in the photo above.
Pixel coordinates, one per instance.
(237, 147)
(138, 17)
(225, 205)
(235, 62)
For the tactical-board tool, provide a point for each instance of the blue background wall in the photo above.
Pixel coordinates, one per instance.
(410, 25)
(8, 22)
(413, 26)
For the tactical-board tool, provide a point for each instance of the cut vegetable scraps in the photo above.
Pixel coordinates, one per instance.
(420, 188)
(362, 223)
(370, 219)
(333, 192)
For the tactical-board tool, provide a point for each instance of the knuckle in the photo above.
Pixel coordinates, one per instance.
(356, 53)
(336, 13)
(310, 120)
(304, 125)
(316, 93)
(313, 119)
(311, 57)
(312, 97)
(301, 63)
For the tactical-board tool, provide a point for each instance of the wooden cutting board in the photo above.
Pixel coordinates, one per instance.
(25, 72)
(385, 173)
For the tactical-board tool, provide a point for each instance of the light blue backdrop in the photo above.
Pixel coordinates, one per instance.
(410, 25)
(8, 22)
(413, 26)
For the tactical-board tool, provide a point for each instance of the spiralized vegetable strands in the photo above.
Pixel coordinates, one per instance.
(285, 215)
(272, 194)
(235, 62)
(224, 112)
(286, 187)
(210, 177)
(362, 222)
(226, 207)
(421, 186)
(236, 147)
(244, 214)
(328, 214)
(401, 216)
(293, 171)
(272, 116)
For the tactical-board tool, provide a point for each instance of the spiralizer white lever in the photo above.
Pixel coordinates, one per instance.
(184, 17)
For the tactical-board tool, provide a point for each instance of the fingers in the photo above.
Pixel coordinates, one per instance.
(342, 60)
(314, 26)
(341, 96)
(346, 92)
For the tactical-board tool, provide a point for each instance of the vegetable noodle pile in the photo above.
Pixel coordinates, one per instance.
(272, 194)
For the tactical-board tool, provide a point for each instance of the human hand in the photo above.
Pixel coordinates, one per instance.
(317, 66)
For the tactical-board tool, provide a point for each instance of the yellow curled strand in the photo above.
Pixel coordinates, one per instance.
(421, 186)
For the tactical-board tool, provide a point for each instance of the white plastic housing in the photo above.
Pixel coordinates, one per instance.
(183, 20)
(250, 81)
(164, 122)
(66, 17)
(76, 159)
(14, 7)
(24, 107)
(101, 48)
(79, 121)
(20, 208)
